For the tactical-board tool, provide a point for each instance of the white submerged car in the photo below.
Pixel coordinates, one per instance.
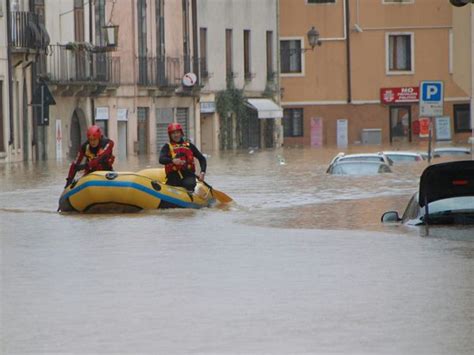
(404, 156)
(445, 197)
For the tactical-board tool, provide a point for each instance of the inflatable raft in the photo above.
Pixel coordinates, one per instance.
(111, 191)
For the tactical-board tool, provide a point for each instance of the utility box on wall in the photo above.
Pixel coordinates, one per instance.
(372, 136)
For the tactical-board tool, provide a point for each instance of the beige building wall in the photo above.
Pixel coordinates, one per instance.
(322, 87)
(462, 47)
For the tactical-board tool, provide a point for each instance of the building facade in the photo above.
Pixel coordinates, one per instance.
(238, 47)
(23, 44)
(361, 85)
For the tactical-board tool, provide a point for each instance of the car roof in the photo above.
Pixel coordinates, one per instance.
(342, 162)
(399, 152)
(452, 149)
(362, 155)
(446, 180)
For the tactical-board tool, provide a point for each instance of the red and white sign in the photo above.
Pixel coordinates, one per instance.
(399, 95)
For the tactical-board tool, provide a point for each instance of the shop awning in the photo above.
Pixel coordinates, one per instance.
(266, 108)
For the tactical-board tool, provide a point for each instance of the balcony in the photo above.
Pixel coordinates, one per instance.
(161, 72)
(82, 70)
(27, 32)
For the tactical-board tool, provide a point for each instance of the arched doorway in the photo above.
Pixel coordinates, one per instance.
(78, 131)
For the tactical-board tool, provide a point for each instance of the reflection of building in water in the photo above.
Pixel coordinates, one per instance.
(368, 70)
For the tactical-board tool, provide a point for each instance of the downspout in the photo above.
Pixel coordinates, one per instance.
(279, 133)
(196, 67)
(10, 74)
(91, 41)
(348, 53)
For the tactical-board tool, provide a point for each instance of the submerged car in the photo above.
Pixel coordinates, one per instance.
(367, 157)
(451, 151)
(445, 196)
(358, 168)
(403, 156)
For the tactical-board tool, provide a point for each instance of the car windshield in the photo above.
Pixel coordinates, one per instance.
(362, 158)
(403, 158)
(359, 169)
(451, 152)
(452, 205)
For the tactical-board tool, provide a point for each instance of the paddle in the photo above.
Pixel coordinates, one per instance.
(219, 195)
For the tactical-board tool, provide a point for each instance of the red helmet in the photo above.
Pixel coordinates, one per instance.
(94, 132)
(175, 127)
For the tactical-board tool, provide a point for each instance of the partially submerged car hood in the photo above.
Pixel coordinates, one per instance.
(446, 180)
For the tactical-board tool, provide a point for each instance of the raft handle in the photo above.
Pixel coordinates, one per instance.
(111, 175)
(156, 185)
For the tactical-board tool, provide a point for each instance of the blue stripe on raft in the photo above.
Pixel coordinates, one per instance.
(133, 185)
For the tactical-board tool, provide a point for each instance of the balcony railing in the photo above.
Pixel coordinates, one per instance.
(27, 32)
(160, 71)
(81, 66)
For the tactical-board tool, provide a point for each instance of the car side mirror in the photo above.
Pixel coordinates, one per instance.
(390, 216)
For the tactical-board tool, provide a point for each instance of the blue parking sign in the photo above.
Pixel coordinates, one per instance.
(431, 98)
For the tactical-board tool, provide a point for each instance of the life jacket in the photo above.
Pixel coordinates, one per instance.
(92, 153)
(181, 151)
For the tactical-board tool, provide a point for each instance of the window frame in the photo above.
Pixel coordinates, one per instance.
(456, 109)
(302, 45)
(321, 3)
(387, 53)
(293, 109)
(398, 2)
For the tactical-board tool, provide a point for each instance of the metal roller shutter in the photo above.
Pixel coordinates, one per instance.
(183, 119)
(164, 116)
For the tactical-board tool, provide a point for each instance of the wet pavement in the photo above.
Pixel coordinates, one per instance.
(299, 264)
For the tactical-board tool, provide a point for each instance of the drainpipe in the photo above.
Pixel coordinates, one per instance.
(91, 41)
(348, 54)
(197, 71)
(10, 73)
(279, 122)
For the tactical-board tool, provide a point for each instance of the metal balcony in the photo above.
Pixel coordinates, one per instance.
(82, 66)
(162, 72)
(28, 33)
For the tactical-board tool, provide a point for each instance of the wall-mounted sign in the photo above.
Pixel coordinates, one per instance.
(342, 133)
(316, 132)
(101, 113)
(443, 128)
(189, 79)
(59, 140)
(208, 107)
(399, 95)
(122, 114)
(424, 130)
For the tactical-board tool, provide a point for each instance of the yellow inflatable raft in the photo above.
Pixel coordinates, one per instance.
(111, 191)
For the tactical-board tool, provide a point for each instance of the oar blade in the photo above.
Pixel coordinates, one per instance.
(221, 196)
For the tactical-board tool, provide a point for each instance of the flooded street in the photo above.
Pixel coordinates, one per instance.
(299, 264)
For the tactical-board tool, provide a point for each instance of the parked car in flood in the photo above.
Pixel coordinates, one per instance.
(404, 156)
(355, 167)
(368, 157)
(445, 196)
(451, 151)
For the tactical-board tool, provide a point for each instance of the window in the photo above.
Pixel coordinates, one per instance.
(79, 20)
(228, 54)
(186, 44)
(203, 46)
(100, 22)
(291, 61)
(398, 1)
(247, 71)
(293, 122)
(400, 53)
(462, 118)
(142, 45)
(2, 147)
(321, 1)
(270, 71)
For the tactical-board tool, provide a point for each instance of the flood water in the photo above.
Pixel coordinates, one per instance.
(299, 264)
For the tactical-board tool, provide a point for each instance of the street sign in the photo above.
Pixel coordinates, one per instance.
(431, 98)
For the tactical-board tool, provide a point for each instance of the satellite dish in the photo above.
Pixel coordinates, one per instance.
(189, 79)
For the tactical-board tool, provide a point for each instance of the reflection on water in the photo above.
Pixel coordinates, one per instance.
(299, 264)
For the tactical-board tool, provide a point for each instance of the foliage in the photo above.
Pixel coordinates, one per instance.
(230, 105)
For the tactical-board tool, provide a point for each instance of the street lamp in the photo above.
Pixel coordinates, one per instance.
(313, 39)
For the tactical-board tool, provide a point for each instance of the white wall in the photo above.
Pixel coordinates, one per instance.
(238, 15)
(60, 20)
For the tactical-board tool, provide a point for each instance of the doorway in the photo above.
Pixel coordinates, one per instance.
(142, 130)
(400, 124)
(122, 139)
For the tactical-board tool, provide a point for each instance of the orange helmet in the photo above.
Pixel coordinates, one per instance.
(94, 132)
(174, 127)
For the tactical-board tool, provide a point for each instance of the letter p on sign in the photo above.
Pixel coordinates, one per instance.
(432, 97)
